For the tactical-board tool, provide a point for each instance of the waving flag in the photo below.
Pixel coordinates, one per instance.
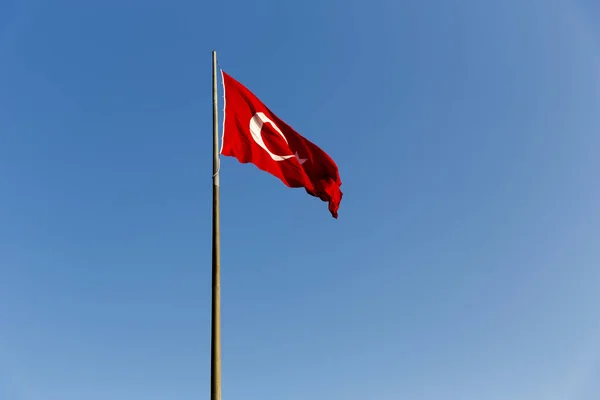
(253, 134)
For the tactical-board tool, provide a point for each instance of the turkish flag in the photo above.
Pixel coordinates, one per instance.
(253, 134)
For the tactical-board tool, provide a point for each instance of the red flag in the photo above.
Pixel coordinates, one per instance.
(253, 134)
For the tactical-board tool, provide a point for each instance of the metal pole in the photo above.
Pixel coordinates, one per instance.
(215, 347)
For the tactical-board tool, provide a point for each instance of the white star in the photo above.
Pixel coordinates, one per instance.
(300, 160)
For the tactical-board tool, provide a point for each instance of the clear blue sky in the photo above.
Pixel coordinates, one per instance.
(466, 261)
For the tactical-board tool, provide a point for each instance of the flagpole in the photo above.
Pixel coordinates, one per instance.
(215, 346)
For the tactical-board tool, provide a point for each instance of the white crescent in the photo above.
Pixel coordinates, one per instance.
(256, 124)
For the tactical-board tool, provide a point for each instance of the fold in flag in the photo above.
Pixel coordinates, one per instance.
(253, 134)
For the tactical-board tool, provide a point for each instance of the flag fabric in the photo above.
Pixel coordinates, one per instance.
(253, 134)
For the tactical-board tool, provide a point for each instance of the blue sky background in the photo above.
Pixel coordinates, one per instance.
(466, 261)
